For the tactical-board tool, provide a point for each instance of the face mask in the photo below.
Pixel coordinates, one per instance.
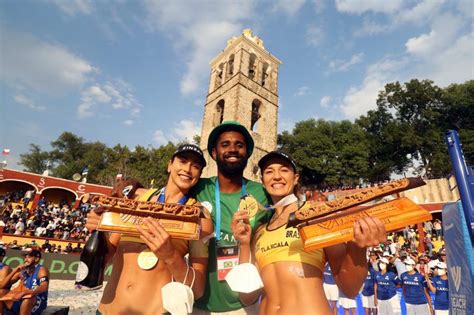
(441, 272)
(244, 278)
(178, 298)
(409, 268)
(382, 266)
(127, 190)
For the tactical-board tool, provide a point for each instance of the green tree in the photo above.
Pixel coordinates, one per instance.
(329, 153)
(418, 106)
(387, 150)
(71, 154)
(458, 114)
(36, 160)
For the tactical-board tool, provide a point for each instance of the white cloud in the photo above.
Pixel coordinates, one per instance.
(444, 31)
(98, 94)
(204, 49)
(443, 54)
(453, 64)
(395, 14)
(344, 65)
(24, 100)
(128, 122)
(117, 94)
(301, 91)
(90, 97)
(314, 35)
(41, 66)
(465, 7)
(73, 7)
(359, 100)
(289, 7)
(361, 6)
(370, 28)
(160, 138)
(199, 30)
(420, 13)
(325, 101)
(186, 130)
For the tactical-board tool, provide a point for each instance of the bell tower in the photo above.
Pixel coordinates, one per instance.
(243, 87)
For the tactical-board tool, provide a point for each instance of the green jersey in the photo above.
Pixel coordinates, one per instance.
(218, 297)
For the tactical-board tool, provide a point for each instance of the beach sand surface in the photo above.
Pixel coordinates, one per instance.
(62, 293)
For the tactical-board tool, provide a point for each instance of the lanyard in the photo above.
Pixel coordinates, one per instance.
(218, 206)
(161, 197)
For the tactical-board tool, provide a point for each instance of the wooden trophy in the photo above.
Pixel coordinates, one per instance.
(323, 224)
(123, 215)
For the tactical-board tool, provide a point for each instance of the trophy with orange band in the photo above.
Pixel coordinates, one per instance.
(323, 224)
(123, 215)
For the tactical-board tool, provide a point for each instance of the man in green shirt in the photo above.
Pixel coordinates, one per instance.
(230, 145)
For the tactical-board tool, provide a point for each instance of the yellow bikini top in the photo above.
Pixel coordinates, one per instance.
(180, 245)
(284, 244)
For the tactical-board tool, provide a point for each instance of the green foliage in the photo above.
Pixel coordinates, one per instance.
(422, 113)
(329, 153)
(35, 161)
(70, 154)
(407, 126)
(405, 132)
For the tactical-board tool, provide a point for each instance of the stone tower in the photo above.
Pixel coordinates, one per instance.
(243, 87)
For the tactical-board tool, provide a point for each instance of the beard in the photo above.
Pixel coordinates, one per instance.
(231, 169)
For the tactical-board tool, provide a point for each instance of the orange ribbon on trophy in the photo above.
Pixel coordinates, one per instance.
(323, 224)
(123, 215)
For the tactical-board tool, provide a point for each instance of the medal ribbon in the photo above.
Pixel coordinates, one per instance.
(284, 201)
(161, 197)
(217, 193)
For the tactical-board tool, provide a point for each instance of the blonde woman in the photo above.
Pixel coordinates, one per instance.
(292, 278)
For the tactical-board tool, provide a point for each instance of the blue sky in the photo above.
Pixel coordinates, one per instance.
(137, 72)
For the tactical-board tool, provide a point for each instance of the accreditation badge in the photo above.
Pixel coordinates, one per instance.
(147, 260)
(227, 258)
(249, 204)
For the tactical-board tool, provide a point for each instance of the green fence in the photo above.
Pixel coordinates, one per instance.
(60, 266)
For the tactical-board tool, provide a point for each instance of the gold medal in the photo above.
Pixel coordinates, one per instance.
(147, 260)
(249, 205)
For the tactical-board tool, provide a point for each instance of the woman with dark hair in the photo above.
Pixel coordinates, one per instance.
(293, 278)
(145, 266)
(367, 292)
(385, 289)
(439, 286)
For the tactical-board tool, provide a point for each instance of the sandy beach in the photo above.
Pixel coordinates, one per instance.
(62, 293)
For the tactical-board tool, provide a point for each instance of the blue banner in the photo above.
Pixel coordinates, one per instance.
(460, 260)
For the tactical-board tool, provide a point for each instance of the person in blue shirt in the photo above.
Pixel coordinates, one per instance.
(385, 290)
(330, 288)
(368, 289)
(415, 290)
(32, 298)
(439, 286)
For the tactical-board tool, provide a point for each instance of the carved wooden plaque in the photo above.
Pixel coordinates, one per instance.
(127, 224)
(124, 215)
(338, 228)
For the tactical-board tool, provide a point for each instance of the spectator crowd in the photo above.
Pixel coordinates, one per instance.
(47, 220)
(400, 276)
